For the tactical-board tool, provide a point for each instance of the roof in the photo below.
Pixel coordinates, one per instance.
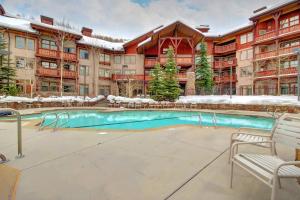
(16, 24)
(99, 43)
(272, 7)
(234, 30)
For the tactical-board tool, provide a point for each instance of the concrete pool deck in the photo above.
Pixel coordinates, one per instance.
(178, 163)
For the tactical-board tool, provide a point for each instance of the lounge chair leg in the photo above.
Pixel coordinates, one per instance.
(231, 174)
(274, 187)
(230, 152)
(279, 183)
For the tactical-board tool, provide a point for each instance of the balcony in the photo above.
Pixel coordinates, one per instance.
(224, 64)
(225, 79)
(290, 29)
(225, 48)
(55, 73)
(265, 55)
(139, 77)
(271, 72)
(266, 36)
(287, 50)
(150, 62)
(104, 63)
(289, 70)
(182, 60)
(48, 53)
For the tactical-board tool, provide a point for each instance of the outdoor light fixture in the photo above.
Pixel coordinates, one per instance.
(297, 51)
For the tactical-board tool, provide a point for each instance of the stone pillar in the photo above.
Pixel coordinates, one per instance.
(115, 89)
(190, 84)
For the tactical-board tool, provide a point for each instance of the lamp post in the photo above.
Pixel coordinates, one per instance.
(297, 51)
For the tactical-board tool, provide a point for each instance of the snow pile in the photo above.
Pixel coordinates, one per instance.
(7, 99)
(118, 99)
(95, 42)
(16, 24)
(251, 100)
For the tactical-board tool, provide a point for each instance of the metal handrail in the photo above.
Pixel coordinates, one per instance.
(58, 115)
(19, 122)
(44, 118)
(214, 120)
(200, 119)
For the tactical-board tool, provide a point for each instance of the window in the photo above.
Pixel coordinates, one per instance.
(20, 42)
(83, 70)
(129, 59)
(104, 73)
(248, 37)
(48, 44)
(289, 63)
(284, 23)
(290, 43)
(49, 86)
(70, 67)
(129, 72)
(246, 90)
(292, 21)
(20, 62)
(69, 88)
(83, 90)
(69, 50)
(104, 58)
(50, 65)
(30, 44)
(246, 71)
(246, 54)
(83, 54)
(117, 59)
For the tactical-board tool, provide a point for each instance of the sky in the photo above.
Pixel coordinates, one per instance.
(130, 18)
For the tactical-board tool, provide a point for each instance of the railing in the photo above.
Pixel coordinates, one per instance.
(56, 54)
(128, 77)
(287, 50)
(150, 62)
(225, 79)
(180, 59)
(266, 36)
(265, 55)
(104, 62)
(289, 70)
(54, 122)
(223, 64)
(56, 73)
(69, 74)
(271, 72)
(289, 29)
(225, 48)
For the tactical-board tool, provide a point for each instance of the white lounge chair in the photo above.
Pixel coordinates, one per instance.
(270, 168)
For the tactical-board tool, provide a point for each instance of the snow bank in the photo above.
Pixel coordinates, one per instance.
(118, 99)
(252, 100)
(7, 99)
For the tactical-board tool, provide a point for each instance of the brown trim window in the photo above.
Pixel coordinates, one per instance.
(47, 86)
(20, 42)
(288, 22)
(83, 54)
(104, 58)
(48, 44)
(49, 65)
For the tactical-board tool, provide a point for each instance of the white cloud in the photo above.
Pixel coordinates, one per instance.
(124, 18)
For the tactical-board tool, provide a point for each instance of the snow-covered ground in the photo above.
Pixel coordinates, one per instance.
(5, 99)
(118, 99)
(253, 100)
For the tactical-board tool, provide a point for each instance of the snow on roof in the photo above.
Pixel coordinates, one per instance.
(16, 24)
(236, 29)
(162, 27)
(115, 46)
(273, 7)
(144, 42)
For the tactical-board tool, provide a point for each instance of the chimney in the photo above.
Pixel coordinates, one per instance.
(46, 20)
(86, 31)
(2, 11)
(203, 28)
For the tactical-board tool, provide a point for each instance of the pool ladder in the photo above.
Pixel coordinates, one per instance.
(214, 120)
(55, 121)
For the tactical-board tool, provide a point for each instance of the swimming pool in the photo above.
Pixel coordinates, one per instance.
(139, 120)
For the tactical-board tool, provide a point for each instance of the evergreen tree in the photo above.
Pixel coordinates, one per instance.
(7, 71)
(156, 84)
(171, 86)
(204, 81)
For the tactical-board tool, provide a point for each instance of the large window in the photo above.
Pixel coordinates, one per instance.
(69, 66)
(104, 90)
(245, 90)
(289, 63)
(290, 43)
(83, 90)
(248, 37)
(84, 70)
(104, 73)
(129, 72)
(49, 86)
(117, 59)
(22, 62)
(47, 64)
(69, 88)
(246, 54)
(292, 21)
(129, 60)
(30, 44)
(83, 54)
(48, 44)
(20, 42)
(105, 58)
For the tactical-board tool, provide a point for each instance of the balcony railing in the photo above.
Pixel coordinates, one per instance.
(56, 73)
(289, 70)
(265, 36)
(56, 54)
(150, 62)
(287, 50)
(224, 64)
(180, 59)
(128, 77)
(225, 48)
(264, 73)
(265, 55)
(225, 79)
(289, 29)
(104, 62)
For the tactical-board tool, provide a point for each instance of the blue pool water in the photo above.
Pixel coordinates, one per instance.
(139, 120)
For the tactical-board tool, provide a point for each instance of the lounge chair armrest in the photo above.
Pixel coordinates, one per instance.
(242, 143)
(285, 164)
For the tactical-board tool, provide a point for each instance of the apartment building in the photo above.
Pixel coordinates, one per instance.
(254, 59)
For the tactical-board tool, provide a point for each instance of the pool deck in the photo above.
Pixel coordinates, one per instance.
(176, 163)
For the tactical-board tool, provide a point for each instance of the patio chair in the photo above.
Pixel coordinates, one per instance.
(270, 168)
